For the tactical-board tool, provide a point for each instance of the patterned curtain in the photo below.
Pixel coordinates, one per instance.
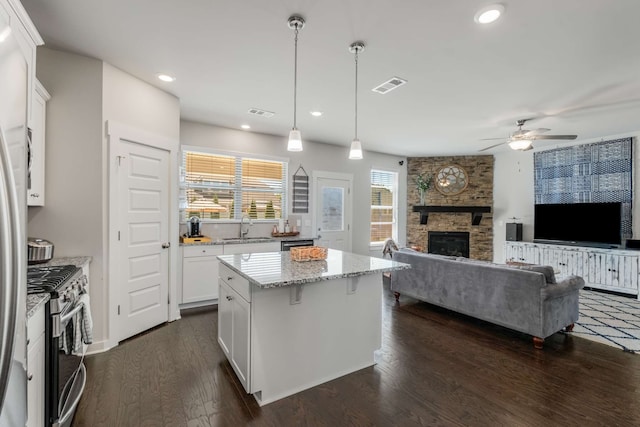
(589, 173)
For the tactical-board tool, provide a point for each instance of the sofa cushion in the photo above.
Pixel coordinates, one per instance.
(547, 270)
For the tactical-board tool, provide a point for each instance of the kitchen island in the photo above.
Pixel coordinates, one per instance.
(286, 326)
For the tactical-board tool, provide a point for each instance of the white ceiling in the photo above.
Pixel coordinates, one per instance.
(572, 65)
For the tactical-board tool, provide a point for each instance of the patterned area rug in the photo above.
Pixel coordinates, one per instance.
(609, 319)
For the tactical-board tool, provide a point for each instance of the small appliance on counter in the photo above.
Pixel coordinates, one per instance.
(39, 250)
(193, 233)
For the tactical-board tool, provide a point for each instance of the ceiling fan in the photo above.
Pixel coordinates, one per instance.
(522, 139)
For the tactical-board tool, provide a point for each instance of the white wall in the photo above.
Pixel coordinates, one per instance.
(72, 216)
(314, 157)
(135, 103)
(85, 93)
(513, 191)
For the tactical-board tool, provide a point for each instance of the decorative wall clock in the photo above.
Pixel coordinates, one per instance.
(451, 180)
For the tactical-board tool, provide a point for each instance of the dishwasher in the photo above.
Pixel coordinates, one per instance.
(286, 245)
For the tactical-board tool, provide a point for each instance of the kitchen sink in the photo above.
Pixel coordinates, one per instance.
(246, 239)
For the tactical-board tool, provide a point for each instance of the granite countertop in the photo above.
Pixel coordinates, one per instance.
(78, 261)
(276, 269)
(35, 301)
(239, 241)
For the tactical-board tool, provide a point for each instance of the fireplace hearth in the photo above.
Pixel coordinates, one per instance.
(455, 243)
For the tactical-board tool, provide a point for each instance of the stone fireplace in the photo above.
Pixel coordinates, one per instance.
(454, 243)
(468, 212)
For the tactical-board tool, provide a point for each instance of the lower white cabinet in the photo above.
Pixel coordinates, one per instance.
(35, 369)
(200, 268)
(234, 320)
(615, 270)
(200, 273)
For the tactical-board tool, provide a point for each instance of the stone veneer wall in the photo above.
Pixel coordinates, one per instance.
(479, 192)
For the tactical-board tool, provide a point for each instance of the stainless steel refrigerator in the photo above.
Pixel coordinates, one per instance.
(13, 206)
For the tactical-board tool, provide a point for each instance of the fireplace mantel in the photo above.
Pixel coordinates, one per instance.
(476, 211)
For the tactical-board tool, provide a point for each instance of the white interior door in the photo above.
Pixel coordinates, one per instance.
(332, 214)
(143, 260)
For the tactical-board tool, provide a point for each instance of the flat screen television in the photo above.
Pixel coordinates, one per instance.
(579, 224)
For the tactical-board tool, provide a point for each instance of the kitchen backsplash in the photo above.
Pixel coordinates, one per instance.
(258, 229)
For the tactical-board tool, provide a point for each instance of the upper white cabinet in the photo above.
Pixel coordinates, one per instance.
(37, 146)
(615, 270)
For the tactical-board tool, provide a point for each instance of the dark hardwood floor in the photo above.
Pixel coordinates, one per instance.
(435, 368)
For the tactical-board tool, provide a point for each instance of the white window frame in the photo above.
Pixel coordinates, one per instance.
(238, 186)
(394, 191)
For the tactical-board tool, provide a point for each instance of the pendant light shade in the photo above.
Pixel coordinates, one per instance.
(296, 23)
(295, 140)
(355, 153)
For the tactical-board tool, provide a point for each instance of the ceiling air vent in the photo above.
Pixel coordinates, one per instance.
(389, 85)
(261, 113)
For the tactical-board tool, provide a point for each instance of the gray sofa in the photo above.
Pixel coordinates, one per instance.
(523, 298)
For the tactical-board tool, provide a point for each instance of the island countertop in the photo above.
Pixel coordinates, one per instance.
(276, 269)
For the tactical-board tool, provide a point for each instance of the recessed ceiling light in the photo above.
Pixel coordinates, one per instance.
(489, 14)
(245, 127)
(166, 78)
(316, 113)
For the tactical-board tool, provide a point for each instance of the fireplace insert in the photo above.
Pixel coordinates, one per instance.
(454, 243)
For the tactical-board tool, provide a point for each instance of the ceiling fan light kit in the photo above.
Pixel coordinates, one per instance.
(521, 144)
(523, 138)
(296, 23)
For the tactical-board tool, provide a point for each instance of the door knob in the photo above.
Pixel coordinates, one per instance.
(166, 245)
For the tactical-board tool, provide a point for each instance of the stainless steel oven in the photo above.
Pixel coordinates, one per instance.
(65, 373)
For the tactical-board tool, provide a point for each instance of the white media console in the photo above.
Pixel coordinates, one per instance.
(609, 269)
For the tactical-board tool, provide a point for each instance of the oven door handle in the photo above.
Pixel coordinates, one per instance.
(66, 317)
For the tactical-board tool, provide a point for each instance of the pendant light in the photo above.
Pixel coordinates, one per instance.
(355, 153)
(296, 23)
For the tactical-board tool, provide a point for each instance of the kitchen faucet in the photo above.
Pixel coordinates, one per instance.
(244, 232)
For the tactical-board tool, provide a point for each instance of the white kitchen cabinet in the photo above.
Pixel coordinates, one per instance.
(36, 188)
(234, 320)
(200, 273)
(200, 268)
(35, 369)
(615, 270)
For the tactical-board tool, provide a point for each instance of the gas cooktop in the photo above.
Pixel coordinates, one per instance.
(48, 279)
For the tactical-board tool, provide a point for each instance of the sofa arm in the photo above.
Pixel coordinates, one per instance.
(566, 286)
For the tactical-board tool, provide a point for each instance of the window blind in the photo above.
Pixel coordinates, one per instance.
(384, 188)
(224, 187)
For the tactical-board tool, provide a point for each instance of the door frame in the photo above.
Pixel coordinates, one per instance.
(315, 175)
(116, 132)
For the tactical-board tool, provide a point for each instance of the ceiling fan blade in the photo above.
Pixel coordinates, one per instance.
(491, 146)
(537, 131)
(492, 139)
(555, 137)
